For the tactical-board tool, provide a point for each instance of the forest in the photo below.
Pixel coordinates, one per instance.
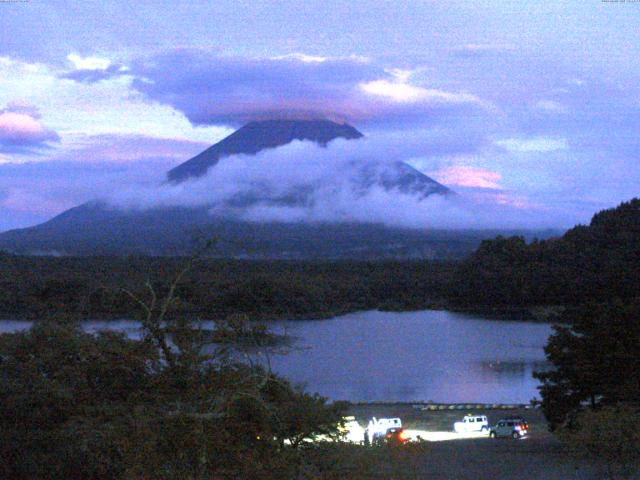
(94, 287)
(595, 263)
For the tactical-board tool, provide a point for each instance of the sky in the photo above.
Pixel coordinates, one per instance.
(529, 110)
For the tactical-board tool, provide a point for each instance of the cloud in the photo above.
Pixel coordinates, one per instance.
(92, 69)
(88, 63)
(95, 74)
(22, 107)
(401, 92)
(347, 181)
(535, 144)
(466, 176)
(212, 89)
(21, 129)
(125, 149)
(551, 106)
(32, 192)
(483, 49)
(110, 106)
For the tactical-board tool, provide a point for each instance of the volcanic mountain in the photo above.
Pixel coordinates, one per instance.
(257, 136)
(97, 228)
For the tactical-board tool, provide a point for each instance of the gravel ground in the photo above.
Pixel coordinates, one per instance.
(530, 459)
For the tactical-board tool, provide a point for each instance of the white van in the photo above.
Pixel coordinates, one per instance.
(472, 423)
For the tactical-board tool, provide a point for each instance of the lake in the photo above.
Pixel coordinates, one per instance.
(403, 356)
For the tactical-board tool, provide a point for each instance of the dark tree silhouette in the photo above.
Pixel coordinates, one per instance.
(596, 362)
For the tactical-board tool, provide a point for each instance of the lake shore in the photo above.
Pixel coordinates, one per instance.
(440, 417)
(536, 313)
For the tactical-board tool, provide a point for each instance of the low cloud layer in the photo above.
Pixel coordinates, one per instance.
(348, 181)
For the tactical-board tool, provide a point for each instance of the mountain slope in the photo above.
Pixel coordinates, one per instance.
(93, 229)
(258, 136)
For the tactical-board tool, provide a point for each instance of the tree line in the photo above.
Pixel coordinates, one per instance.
(597, 262)
(92, 287)
(594, 263)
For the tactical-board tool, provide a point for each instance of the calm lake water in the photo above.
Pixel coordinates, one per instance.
(409, 356)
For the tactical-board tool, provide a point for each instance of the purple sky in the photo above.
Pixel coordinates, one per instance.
(532, 109)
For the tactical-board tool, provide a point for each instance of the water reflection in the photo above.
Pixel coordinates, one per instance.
(510, 369)
(414, 356)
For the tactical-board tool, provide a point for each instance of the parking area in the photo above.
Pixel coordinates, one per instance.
(437, 425)
(473, 455)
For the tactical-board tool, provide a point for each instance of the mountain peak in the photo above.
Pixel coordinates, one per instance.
(321, 131)
(259, 135)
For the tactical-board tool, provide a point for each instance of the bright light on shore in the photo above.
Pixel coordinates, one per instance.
(429, 436)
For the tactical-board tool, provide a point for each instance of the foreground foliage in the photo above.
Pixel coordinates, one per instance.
(79, 406)
(74, 405)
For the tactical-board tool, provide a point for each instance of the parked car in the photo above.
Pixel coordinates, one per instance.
(511, 427)
(472, 423)
(395, 435)
(384, 430)
(519, 420)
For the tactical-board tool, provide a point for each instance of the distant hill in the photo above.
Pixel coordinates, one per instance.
(592, 263)
(94, 229)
